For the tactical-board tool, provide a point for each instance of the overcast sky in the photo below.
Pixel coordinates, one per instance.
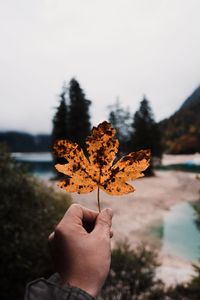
(115, 48)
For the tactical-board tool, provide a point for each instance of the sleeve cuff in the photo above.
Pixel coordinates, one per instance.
(52, 289)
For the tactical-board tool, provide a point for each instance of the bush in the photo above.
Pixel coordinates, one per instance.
(188, 291)
(132, 275)
(28, 212)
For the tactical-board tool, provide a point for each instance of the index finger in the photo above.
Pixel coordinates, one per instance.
(79, 214)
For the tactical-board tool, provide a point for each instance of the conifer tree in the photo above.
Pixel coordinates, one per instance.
(79, 118)
(145, 133)
(61, 119)
(120, 119)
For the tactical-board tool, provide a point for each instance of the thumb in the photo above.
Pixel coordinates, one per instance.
(104, 221)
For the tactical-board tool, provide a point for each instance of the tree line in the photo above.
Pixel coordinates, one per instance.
(25, 142)
(72, 121)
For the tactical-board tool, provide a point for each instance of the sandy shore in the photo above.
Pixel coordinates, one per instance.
(135, 213)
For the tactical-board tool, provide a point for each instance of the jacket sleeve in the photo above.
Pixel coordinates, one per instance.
(51, 289)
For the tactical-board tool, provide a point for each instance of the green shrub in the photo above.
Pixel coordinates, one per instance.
(132, 275)
(28, 212)
(187, 291)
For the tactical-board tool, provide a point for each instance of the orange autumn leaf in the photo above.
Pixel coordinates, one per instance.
(99, 170)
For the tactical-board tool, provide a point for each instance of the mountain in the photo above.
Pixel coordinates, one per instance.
(195, 97)
(181, 132)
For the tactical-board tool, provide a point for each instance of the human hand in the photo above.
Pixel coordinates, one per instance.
(83, 258)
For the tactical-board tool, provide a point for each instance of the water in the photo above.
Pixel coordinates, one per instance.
(181, 237)
(38, 164)
(187, 167)
(32, 156)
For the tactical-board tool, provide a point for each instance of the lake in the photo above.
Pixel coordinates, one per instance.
(38, 164)
(181, 236)
(41, 164)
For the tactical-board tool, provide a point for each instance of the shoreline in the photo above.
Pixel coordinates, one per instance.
(136, 213)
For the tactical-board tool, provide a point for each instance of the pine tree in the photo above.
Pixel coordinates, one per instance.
(120, 120)
(145, 133)
(79, 118)
(60, 120)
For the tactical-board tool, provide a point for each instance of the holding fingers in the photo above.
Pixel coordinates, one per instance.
(82, 248)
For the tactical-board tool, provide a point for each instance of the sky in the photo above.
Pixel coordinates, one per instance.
(114, 48)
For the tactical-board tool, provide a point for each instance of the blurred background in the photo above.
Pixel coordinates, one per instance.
(66, 66)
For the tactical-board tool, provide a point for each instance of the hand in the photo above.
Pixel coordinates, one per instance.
(83, 258)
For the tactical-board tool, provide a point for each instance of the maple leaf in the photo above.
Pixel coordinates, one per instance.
(99, 170)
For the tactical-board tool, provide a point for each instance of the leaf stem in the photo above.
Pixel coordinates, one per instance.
(98, 199)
